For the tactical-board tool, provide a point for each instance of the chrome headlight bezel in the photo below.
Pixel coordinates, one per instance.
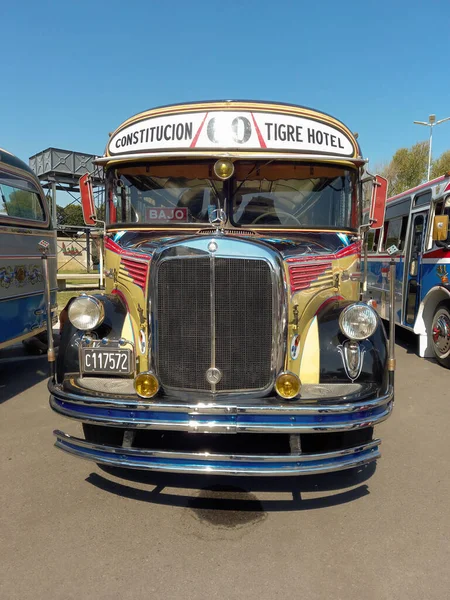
(350, 330)
(79, 307)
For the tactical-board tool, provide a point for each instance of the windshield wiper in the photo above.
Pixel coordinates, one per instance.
(256, 167)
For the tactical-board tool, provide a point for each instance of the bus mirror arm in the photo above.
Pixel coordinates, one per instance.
(443, 244)
(44, 247)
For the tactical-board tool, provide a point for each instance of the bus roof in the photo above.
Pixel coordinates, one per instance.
(233, 128)
(12, 161)
(422, 186)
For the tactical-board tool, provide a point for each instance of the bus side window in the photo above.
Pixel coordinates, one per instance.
(383, 240)
(401, 241)
(370, 240)
(393, 233)
(20, 203)
(376, 239)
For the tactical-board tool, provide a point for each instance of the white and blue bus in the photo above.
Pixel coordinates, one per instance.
(416, 231)
(24, 223)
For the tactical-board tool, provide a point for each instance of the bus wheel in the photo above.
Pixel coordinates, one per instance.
(440, 334)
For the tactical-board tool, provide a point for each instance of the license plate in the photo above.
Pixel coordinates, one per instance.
(104, 360)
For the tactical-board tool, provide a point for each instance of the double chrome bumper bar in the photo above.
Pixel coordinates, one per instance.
(268, 416)
(219, 464)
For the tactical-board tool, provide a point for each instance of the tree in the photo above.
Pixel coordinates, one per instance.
(74, 215)
(60, 215)
(71, 214)
(407, 168)
(441, 165)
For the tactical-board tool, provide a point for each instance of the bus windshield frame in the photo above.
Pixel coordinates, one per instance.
(260, 193)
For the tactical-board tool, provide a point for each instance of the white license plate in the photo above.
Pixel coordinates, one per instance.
(104, 360)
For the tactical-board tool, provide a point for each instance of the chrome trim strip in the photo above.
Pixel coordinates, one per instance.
(103, 160)
(27, 230)
(22, 256)
(230, 464)
(222, 408)
(230, 426)
(212, 291)
(27, 295)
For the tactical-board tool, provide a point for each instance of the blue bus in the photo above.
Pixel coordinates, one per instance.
(416, 234)
(24, 223)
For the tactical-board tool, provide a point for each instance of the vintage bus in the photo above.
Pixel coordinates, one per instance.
(231, 338)
(24, 224)
(416, 228)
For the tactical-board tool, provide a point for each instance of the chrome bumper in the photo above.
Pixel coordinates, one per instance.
(268, 416)
(219, 464)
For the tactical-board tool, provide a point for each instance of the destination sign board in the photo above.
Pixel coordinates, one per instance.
(231, 130)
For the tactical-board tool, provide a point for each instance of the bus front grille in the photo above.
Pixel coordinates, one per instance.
(197, 296)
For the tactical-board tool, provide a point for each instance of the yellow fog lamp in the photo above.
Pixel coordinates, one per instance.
(287, 385)
(146, 385)
(223, 168)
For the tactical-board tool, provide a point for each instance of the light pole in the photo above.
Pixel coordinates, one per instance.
(431, 123)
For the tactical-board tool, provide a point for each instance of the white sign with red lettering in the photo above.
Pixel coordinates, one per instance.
(232, 130)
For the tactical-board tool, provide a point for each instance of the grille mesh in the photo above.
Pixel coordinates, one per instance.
(243, 311)
(183, 329)
(243, 323)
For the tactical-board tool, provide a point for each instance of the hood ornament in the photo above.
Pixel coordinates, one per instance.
(217, 218)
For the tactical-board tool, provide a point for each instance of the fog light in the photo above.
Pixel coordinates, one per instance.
(146, 385)
(287, 385)
(223, 168)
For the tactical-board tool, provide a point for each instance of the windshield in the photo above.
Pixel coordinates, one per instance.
(165, 194)
(290, 195)
(260, 193)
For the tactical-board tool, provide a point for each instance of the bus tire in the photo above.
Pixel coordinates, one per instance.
(440, 334)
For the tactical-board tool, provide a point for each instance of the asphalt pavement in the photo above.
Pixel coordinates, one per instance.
(70, 530)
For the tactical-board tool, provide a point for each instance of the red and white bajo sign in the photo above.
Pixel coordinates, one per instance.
(232, 130)
(167, 214)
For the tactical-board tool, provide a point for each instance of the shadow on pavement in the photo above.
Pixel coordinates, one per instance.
(406, 339)
(19, 373)
(220, 493)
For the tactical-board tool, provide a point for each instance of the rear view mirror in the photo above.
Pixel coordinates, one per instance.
(440, 228)
(378, 202)
(87, 200)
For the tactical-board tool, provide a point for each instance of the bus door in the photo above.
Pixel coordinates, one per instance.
(413, 265)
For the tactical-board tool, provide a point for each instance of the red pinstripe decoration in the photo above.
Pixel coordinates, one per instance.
(327, 302)
(110, 245)
(347, 251)
(302, 275)
(262, 143)
(197, 135)
(138, 271)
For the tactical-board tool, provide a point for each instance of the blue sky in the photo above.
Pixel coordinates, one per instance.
(73, 71)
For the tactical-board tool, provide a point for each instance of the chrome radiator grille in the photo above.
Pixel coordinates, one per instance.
(243, 323)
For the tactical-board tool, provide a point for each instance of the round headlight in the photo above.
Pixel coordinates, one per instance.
(86, 312)
(358, 321)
